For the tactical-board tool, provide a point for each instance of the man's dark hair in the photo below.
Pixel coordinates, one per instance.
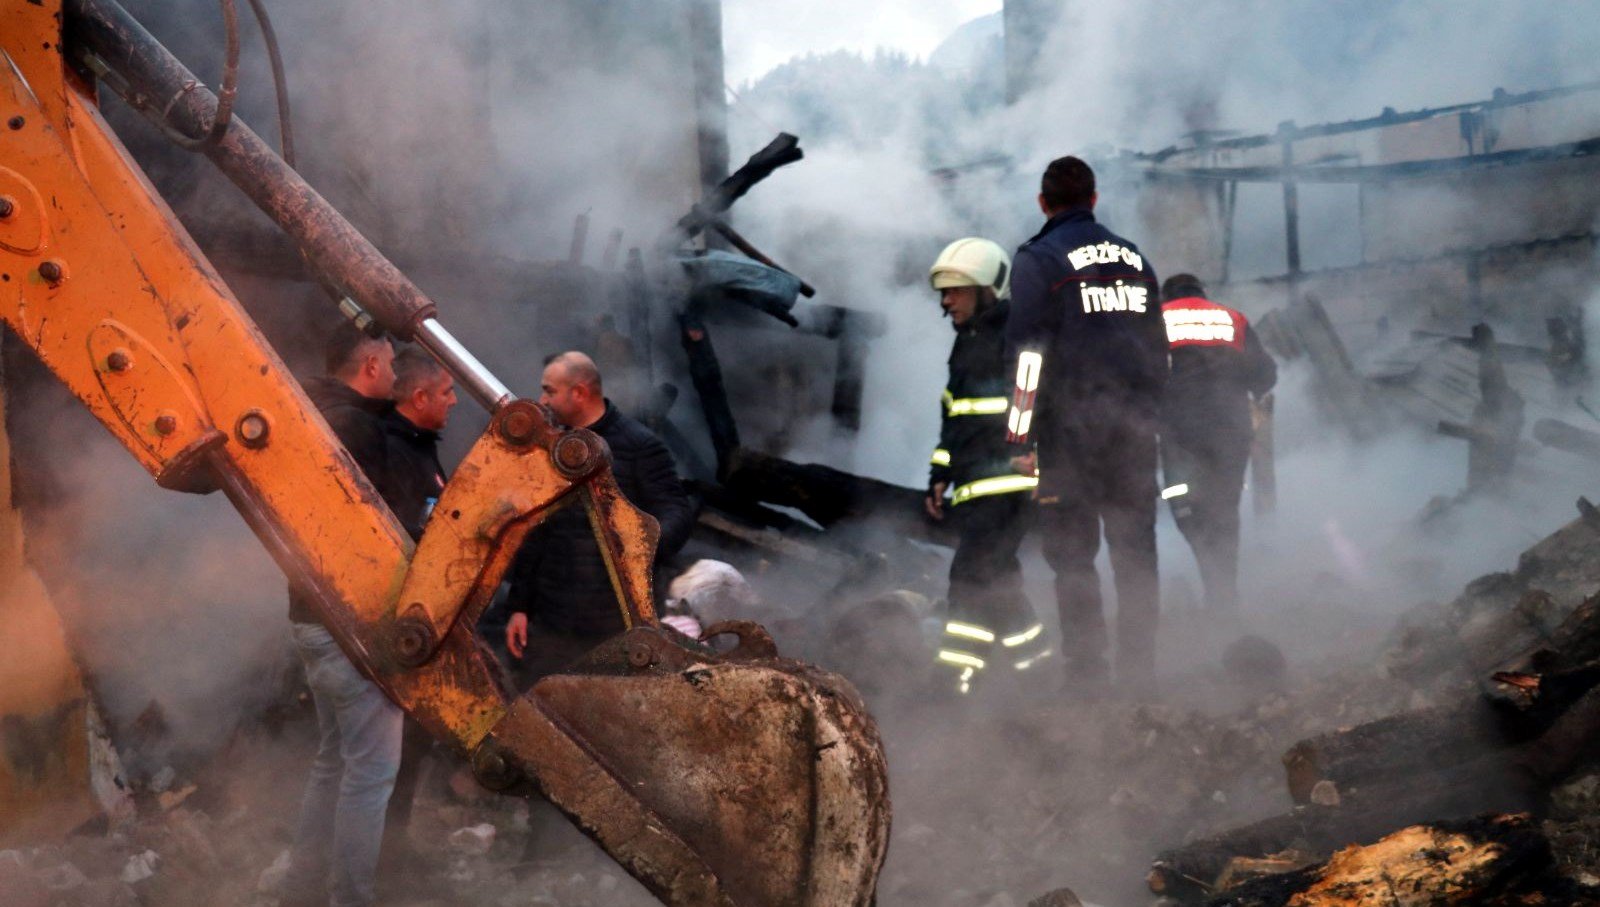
(1068, 183)
(347, 345)
(1179, 286)
(414, 368)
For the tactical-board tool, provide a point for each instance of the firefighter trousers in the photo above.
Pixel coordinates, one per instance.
(1104, 474)
(991, 623)
(1209, 473)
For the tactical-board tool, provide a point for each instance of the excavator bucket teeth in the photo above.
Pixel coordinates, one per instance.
(730, 782)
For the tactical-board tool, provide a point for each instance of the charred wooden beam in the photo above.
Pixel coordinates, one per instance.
(1263, 459)
(777, 544)
(1397, 746)
(1492, 783)
(1290, 174)
(1516, 707)
(1496, 420)
(1477, 861)
(1303, 329)
(1568, 437)
(1485, 639)
(580, 239)
(705, 372)
(830, 496)
(780, 152)
(637, 294)
(849, 382)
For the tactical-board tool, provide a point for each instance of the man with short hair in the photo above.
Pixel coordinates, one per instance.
(1218, 365)
(340, 829)
(560, 587)
(424, 394)
(1091, 351)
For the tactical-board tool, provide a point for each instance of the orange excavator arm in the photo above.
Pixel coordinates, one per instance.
(735, 779)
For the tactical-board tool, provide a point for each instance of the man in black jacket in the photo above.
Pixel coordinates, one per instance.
(990, 620)
(424, 394)
(1091, 350)
(341, 819)
(561, 594)
(1218, 364)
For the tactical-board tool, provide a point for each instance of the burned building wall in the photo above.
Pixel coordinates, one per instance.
(1447, 217)
(1181, 218)
(1479, 209)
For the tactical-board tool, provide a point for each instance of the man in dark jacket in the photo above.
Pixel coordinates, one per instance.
(990, 619)
(1091, 352)
(424, 394)
(561, 592)
(1218, 365)
(342, 814)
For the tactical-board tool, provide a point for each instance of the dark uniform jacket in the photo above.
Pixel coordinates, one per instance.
(358, 422)
(972, 430)
(415, 471)
(559, 578)
(1218, 363)
(1088, 301)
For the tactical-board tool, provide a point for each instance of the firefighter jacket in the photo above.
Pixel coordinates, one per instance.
(1088, 302)
(973, 457)
(1218, 363)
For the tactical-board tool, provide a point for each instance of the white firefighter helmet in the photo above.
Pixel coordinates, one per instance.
(973, 262)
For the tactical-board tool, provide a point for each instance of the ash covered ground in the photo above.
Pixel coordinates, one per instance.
(998, 799)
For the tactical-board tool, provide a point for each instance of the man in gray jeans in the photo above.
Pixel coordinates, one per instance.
(341, 818)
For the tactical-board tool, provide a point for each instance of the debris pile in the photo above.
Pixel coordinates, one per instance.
(1452, 761)
(1502, 684)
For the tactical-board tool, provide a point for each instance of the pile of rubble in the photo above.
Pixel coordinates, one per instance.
(1304, 789)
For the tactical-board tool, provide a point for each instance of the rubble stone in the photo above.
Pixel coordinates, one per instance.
(1325, 793)
(475, 840)
(140, 866)
(1061, 897)
(63, 877)
(1580, 797)
(18, 885)
(271, 878)
(108, 893)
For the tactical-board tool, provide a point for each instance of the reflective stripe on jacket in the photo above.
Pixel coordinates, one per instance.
(972, 456)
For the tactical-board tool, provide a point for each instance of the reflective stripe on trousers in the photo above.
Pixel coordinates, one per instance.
(994, 485)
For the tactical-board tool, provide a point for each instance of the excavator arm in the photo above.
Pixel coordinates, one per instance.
(739, 779)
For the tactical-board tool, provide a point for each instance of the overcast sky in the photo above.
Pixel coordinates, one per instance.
(761, 34)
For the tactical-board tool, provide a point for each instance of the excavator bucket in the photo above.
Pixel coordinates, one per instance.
(715, 777)
(767, 774)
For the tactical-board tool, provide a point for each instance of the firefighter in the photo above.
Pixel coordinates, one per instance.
(1091, 354)
(1218, 365)
(991, 624)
